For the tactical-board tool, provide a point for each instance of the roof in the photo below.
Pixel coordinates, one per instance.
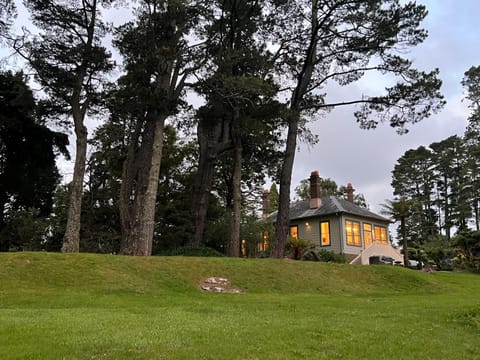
(330, 205)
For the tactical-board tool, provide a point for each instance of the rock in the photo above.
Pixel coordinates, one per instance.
(218, 285)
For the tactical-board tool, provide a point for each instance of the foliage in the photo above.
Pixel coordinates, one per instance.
(296, 246)
(328, 188)
(318, 254)
(28, 148)
(468, 243)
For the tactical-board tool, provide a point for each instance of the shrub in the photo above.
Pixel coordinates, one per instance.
(315, 254)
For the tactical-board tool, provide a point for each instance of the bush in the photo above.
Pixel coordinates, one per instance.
(193, 251)
(314, 254)
(297, 246)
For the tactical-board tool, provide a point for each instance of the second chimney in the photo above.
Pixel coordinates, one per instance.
(350, 191)
(315, 190)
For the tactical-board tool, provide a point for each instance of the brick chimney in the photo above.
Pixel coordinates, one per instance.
(265, 203)
(350, 191)
(315, 190)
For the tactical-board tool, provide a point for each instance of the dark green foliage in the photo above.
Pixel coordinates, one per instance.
(8, 12)
(316, 254)
(468, 243)
(28, 173)
(192, 251)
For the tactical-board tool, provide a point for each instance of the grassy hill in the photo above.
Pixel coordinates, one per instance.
(86, 306)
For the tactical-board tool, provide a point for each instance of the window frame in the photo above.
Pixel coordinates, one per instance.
(354, 236)
(369, 232)
(290, 231)
(327, 222)
(384, 232)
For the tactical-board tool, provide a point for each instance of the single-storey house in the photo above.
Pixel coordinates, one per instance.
(338, 225)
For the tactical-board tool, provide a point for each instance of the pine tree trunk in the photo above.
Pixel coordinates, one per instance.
(213, 141)
(283, 214)
(404, 240)
(201, 194)
(281, 226)
(138, 221)
(71, 238)
(234, 247)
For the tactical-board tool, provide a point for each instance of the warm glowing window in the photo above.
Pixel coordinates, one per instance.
(294, 232)
(352, 229)
(380, 234)
(367, 234)
(325, 233)
(263, 245)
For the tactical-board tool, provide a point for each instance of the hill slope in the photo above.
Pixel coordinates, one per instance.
(85, 306)
(89, 272)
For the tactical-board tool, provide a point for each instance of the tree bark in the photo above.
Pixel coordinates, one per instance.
(304, 78)
(71, 239)
(281, 226)
(139, 220)
(234, 246)
(213, 140)
(404, 241)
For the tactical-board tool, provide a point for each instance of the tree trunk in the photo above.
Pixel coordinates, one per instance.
(283, 214)
(404, 241)
(234, 247)
(281, 226)
(213, 140)
(137, 235)
(201, 193)
(71, 239)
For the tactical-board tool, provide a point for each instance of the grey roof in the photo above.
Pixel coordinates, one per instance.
(330, 205)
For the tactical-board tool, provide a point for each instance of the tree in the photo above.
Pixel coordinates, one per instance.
(399, 210)
(414, 177)
(158, 61)
(241, 118)
(8, 12)
(471, 83)
(273, 197)
(28, 173)
(69, 62)
(320, 41)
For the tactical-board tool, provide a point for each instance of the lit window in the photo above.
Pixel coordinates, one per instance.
(380, 234)
(294, 231)
(325, 233)
(367, 234)
(352, 229)
(263, 245)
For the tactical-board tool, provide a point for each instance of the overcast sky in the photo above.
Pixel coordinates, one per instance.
(366, 158)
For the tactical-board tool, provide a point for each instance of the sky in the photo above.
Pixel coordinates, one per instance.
(366, 158)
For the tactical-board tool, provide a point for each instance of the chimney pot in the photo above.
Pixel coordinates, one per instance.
(315, 190)
(350, 191)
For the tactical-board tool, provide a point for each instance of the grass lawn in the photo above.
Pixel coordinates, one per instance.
(84, 306)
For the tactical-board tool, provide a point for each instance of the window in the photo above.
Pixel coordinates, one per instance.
(367, 234)
(294, 231)
(352, 229)
(380, 234)
(263, 245)
(324, 233)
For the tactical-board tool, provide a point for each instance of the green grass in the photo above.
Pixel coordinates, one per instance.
(83, 306)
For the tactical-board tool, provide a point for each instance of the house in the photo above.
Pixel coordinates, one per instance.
(338, 225)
